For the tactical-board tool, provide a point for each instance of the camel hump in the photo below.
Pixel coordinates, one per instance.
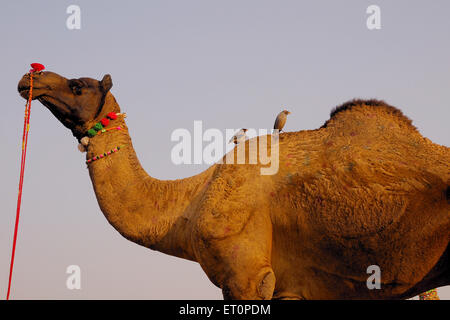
(378, 106)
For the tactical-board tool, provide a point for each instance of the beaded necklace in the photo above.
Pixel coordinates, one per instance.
(97, 129)
(101, 156)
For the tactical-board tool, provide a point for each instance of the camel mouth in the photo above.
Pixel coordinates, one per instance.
(23, 87)
(24, 92)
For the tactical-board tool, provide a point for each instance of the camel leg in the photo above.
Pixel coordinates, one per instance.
(246, 286)
(240, 263)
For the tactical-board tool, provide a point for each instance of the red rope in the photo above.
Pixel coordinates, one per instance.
(26, 129)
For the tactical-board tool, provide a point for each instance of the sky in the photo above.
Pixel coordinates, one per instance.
(230, 64)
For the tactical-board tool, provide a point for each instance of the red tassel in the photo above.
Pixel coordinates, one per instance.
(112, 115)
(104, 122)
(37, 67)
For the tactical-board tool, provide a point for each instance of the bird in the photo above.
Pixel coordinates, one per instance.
(280, 121)
(239, 136)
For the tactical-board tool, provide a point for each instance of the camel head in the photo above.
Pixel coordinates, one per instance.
(76, 103)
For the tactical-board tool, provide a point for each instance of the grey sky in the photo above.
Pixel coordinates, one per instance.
(231, 64)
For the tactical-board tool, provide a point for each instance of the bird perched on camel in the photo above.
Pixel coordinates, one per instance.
(364, 189)
(239, 136)
(280, 121)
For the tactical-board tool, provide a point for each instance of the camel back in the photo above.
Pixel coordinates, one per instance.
(365, 167)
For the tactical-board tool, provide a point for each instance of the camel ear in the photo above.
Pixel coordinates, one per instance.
(106, 83)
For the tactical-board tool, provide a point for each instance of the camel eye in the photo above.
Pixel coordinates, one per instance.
(76, 86)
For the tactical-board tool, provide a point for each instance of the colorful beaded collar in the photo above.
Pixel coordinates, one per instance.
(101, 156)
(99, 127)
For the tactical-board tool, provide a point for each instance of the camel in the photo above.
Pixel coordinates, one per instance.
(364, 189)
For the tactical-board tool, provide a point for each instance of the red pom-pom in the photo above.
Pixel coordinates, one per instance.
(112, 115)
(104, 122)
(37, 67)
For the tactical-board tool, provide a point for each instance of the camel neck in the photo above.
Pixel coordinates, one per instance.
(151, 212)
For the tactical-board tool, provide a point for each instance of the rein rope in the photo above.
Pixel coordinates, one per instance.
(26, 129)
